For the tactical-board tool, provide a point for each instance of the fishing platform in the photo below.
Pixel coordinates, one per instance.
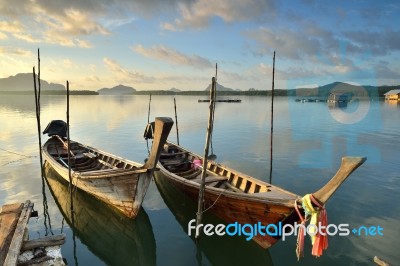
(222, 101)
(16, 248)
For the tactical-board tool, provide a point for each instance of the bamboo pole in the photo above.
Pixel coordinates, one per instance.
(37, 104)
(69, 151)
(176, 122)
(199, 214)
(272, 119)
(212, 156)
(148, 113)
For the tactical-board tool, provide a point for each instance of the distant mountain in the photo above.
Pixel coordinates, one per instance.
(24, 82)
(338, 87)
(219, 88)
(175, 90)
(117, 90)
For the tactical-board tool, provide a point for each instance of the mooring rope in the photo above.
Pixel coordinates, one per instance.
(19, 154)
(212, 205)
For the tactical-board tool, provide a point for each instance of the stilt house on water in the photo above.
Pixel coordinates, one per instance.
(393, 95)
(338, 98)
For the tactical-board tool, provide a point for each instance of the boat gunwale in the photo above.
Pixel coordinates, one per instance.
(222, 191)
(87, 174)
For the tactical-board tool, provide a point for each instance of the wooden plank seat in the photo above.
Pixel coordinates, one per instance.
(114, 171)
(210, 179)
(193, 175)
(165, 155)
(174, 162)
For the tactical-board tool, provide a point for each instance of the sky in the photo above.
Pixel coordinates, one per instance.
(164, 44)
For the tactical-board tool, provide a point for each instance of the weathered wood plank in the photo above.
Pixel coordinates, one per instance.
(35, 261)
(16, 242)
(8, 220)
(43, 242)
(380, 262)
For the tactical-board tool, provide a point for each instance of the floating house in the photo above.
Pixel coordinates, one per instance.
(338, 98)
(393, 95)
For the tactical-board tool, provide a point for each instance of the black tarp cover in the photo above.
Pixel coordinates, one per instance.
(56, 127)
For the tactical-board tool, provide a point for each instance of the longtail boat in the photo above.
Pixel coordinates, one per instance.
(236, 197)
(110, 235)
(215, 249)
(116, 181)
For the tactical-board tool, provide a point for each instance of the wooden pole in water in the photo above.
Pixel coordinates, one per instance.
(272, 119)
(199, 214)
(69, 151)
(176, 122)
(148, 113)
(212, 156)
(37, 104)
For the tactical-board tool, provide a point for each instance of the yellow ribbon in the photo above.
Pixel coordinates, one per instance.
(309, 210)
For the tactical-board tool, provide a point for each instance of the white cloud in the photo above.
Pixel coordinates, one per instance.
(124, 74)
(198, 14)
(11, 26)
(288, 43)
(3, 36)
(15, 51)
(26, 37)
(161, 52)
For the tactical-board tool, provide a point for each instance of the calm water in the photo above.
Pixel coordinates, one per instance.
(309, 141)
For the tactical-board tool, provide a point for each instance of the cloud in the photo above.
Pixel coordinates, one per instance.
(376, 42)
(40, 21)
(163, 53)
(385, 71)
(199, 14)
(11, 26)
(124, 74)
(15, 51)
(72, 22)
(26, 37)
(288, 43)
(3, 36)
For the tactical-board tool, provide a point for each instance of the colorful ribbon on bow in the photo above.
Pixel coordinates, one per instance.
(319, 220)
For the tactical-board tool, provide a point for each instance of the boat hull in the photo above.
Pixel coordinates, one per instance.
(123, 191)
(113, 237)
(263, 208)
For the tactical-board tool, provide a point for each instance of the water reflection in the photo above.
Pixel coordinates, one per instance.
(112, 237)
(218, 250)
(308, 145)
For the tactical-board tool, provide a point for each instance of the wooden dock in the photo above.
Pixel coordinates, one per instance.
(14, 237)
(221, 101)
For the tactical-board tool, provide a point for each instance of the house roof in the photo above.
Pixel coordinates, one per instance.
(393, 92)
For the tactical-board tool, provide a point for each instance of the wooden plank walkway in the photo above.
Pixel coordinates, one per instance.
(13, 221)
(9, 215)
(15, 248)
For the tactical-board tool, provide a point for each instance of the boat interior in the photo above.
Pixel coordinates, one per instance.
(185, 164)
(84, 159)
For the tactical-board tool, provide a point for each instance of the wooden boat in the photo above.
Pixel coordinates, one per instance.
(216, 250)
(110, 235)
(237, 197)
(116, 181)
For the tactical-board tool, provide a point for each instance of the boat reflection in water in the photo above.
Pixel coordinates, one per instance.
(218, 250)
(111, 236)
